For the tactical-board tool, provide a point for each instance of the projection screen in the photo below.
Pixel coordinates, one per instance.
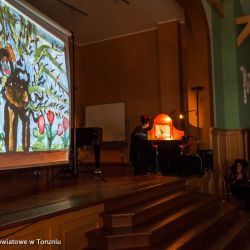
(34, 88)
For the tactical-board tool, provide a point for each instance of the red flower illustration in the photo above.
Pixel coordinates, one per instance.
(41, 124)
(60, 130)
(50, 117)
(65, 123)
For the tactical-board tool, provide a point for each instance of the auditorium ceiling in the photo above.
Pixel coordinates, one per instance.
(108, 18)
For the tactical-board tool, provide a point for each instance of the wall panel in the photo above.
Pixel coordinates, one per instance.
(67, 229)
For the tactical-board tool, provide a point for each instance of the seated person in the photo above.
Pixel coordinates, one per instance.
(238, 183)
(141, 149)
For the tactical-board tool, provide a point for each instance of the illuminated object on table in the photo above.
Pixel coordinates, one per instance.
(163, 129)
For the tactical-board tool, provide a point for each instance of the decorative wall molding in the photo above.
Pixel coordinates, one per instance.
(228, 145)
(246, 83)
(246, 31)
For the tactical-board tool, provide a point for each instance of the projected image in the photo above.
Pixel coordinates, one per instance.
(34, 96)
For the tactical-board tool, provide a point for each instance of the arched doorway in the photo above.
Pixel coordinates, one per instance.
(197, 66)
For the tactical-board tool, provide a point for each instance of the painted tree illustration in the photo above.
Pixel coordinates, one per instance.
(41, 56)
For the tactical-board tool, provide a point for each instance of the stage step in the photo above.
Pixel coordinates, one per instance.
(150, 232)
(246, 244)
(170, 216)
(229, 230)
(200, 232)
(139, 212)
(235, 235)
(145, 193)
(182, 217)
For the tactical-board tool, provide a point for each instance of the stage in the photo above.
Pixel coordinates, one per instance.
(71, 207)
(125, 212)
(71, 194)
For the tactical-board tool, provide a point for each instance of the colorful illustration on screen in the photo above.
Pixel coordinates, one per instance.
(34, 96)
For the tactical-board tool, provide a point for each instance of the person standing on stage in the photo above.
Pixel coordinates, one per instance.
(140, 147)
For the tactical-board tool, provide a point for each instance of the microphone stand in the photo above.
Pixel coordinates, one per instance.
(197, 89)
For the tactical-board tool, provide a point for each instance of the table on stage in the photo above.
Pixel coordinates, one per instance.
(172, 162)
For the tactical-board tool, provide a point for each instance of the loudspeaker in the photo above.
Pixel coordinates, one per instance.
(87, 136)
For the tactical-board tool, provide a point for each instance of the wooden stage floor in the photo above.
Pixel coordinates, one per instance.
(70, 195)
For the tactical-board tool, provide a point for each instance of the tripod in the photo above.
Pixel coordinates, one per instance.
(81, 137)
(96, 172)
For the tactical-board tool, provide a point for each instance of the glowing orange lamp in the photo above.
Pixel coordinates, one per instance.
(163, 129)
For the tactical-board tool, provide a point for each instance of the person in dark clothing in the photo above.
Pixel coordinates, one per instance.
(140, 148)
(238, 182)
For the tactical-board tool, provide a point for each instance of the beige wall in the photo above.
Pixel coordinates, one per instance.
(171, 92)
(120, 70)
(141, 70)
(151, 71)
